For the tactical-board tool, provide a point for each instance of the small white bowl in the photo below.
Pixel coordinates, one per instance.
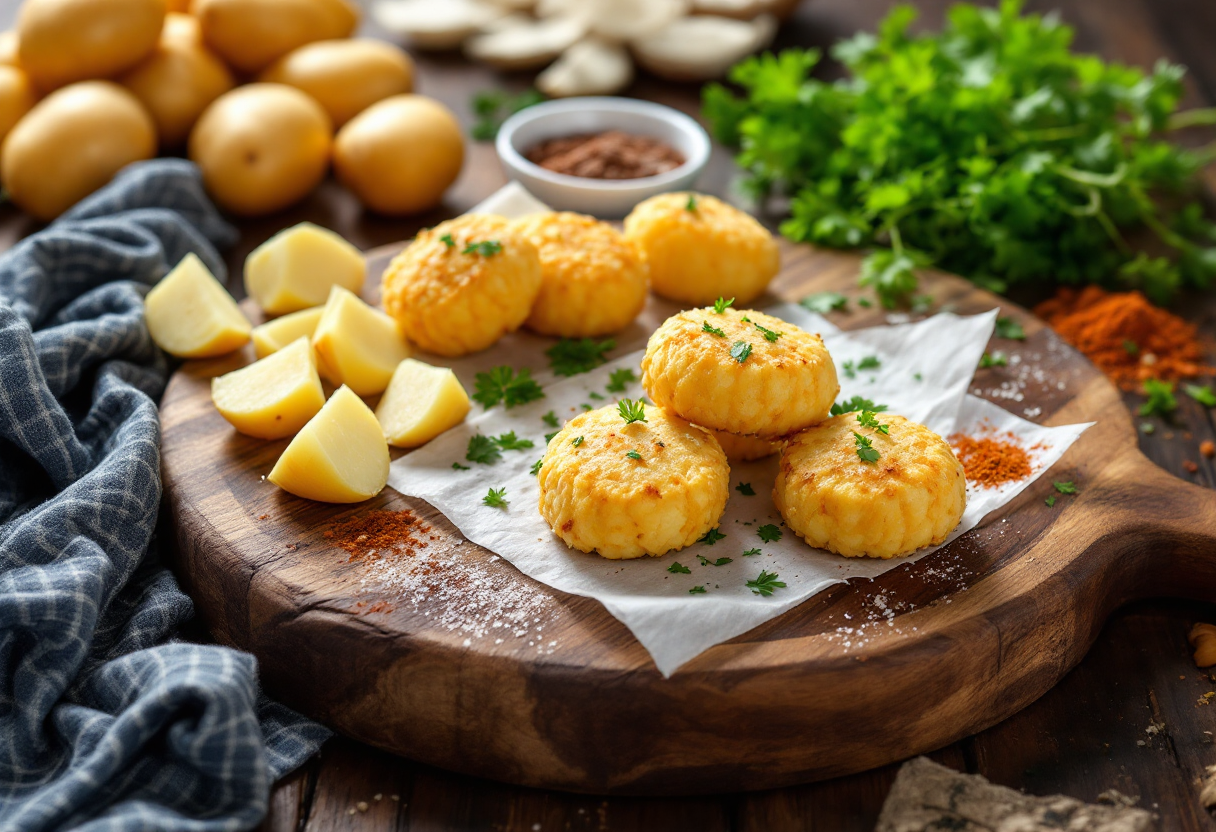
(607, 198)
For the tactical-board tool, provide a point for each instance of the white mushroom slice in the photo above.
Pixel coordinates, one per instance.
(702, 47)
(435, 24)
(590, 67)
(564, 8)
(738, 9)
(528, 45)
(515, 5)
(629, 19)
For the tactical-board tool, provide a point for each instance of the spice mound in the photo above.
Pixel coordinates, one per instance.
(609, 155)
(1126, 336)
(991, 461)
(374, 534)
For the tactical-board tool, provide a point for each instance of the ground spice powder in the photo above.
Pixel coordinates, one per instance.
(1126, 336)
(378, 532)
(991, 461)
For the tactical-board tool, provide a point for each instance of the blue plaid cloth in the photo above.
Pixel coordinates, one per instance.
(107, 722)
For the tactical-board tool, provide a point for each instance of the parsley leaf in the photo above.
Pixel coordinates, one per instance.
(825, 302)
(764, 583)
(850, 369)
(866, 452)
(576, 441)
(691, 205)
(752, 552)
(510, 442)
(711, 537)
(631, 411)
(740, 350)
(712, 330)
(493, 107)
(550, 419)
(482, 449)
(769, 533)
(855, 404)
(596, 396)
(496, 498)
(719, 562)
(745, 488)
(678, 568)
(536, 466)
(503, 384)
(456, 466)
(870, 362)
(1010, 328)
(486, 248)
(447, 240)
(1161, 401)
(697, 590)
(1065, 487)
(994, 359)
(1131, 347)
(769, 334)
(867, 419)
(618, 379)
(571, 356)
(549, 436)
(1050, 501)
(722, 304)
(1203, 395)
(633, 455)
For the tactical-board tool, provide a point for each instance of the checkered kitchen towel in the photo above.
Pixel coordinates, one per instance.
(106, 721)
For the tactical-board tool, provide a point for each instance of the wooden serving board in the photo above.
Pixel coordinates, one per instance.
(566, 698)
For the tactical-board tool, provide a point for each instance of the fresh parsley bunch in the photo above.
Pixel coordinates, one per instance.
(988, 149)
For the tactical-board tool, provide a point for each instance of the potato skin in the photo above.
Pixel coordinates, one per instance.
(698, 256)
(598, 499)
(252, 34)
(451, 303)
(783, 386)
(593, 281)
(913, 496)
(63, 41)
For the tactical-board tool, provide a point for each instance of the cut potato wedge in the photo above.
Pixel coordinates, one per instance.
(274, 397)
(340, 456)
(357, 345)
(296, 268)
(190, 315)
(272, 336)
(420, 403)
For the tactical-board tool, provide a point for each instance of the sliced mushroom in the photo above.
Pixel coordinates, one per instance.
(702, 47)
(436, 24)
(629, 19)
(738, 9)
(528, 45)
(515, 5)
(590, 67)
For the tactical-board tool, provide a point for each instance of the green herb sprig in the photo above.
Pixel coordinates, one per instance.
(764, 583)
(631, 411)
(571, 356)
(503, 384)
(496, 498)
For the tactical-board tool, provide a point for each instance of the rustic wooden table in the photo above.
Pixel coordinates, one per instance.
(1089, 734)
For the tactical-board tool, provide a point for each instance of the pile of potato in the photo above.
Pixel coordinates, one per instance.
(253, 90)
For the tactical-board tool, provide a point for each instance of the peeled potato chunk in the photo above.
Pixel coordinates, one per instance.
(296, 268)
(272, 336)
(340, 456)
(190, 315)
(420, 403)
(274, 397)
(356, 345)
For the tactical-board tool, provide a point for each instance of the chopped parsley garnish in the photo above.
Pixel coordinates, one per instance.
(596, 396)
(456, 466)
(550, 419)
(722, 304)
(486, 248)
(697, 590)
(751, 552)
(1010, 328)
(1161, 401)
(549, 436)
(770, 335)
(1051, 501)
(918, 377)
(633, 455)
(678, 568)
(691, 205)
(1203, 395)
(765, 583)
(867, 419)
(576, 441)
(493, 106)
(745, 488)
(503, 384)
(711, 537)
(447, 240)
(571, 356)
(631, 411)
(510, 442)
(1131, 347)
(1147, 427)
(866, 452)
(617, 380)
(994, 359)
(850, 369)
(922, 303)
(536, 466)
(870, 362)
(855, 404)
(719, 562)
(825, 302)
(496, 498)
(864, 303)
(586, 406)
(740, 350)
(712, 330)
(1065, 487)
(769, 533)
(482, 449)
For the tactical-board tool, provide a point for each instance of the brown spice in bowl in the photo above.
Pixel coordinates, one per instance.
(609, 155)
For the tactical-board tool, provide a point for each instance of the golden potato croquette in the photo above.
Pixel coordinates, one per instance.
(722, 371)
(912, 496)
(740, 448)
(462, 285)
(700, 249)
(598, 498)
(593, 281)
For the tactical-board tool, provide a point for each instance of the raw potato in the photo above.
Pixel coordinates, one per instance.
(273, 336)
(190, 315)
(9, 46)
(420, 403)
(345, 76)
(702, 47)
(357, 345)
(400, 154)
(16, 97)
(71, 143)
(250, 35)
(61, 41)
(436, 24)
(296, 268)
(590, 67)
(274, 397)
(261, 147)
(178, 80)
(340, 456)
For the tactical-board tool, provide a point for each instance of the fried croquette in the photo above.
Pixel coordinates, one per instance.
(699, 249)
(628, 490)
(463, 284)
(745, 448)
(740, 371)
(912, 495)
(593, 281)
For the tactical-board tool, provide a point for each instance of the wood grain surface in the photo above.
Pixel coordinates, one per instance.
(985, 626)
